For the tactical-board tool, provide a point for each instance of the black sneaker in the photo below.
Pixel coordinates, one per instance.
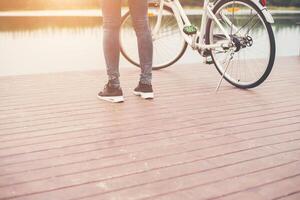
(144, 90)
(111, 94)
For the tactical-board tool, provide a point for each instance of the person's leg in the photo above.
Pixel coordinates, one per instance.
(139, 13)
(111, 25)
(111, 10)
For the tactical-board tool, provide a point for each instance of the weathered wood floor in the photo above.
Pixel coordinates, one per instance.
(59, 142)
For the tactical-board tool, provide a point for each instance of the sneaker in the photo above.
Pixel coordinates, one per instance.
(111, 94)
(144, 90)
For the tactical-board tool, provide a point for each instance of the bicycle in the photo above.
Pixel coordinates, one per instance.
(235, 35)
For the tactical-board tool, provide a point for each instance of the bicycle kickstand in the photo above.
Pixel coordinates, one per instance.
(222, 77)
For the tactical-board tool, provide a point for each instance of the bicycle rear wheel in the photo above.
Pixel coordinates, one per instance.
(168, 45)
(253, 43)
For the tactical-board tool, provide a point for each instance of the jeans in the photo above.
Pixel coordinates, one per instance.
(111, 10)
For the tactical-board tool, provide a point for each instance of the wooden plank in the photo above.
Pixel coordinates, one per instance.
(59, 142)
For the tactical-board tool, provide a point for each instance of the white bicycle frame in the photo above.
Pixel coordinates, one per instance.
(183, 20)
(192, 40)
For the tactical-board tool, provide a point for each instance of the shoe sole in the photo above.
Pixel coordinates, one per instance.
(113, 99)
(144, 95)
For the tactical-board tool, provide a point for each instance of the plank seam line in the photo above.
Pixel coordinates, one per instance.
(162, 167)
(100, 149)
(208, 147)
(159, 119)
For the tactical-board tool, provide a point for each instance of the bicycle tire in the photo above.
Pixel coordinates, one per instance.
(269, 67)
(155, 67)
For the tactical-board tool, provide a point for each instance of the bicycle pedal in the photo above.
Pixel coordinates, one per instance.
(190, 30)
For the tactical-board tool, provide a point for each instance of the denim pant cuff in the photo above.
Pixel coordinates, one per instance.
(115, 82)
(145, 81)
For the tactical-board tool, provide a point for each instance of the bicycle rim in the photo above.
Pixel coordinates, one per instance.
(168, 44)
(254, 46)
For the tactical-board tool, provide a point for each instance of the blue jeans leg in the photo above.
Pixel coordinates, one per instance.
(111, 10)
(111, 44)
(139, 13)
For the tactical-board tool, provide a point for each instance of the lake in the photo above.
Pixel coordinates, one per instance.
(43, 44)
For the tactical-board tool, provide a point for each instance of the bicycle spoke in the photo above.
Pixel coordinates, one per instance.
(233, 12)
(164, 51)
(251, 18)
(256, 22)
(251, 43)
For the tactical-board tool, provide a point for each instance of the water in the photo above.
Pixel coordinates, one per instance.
(52, 44)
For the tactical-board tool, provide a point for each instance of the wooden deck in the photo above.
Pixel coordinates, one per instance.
(59, 142)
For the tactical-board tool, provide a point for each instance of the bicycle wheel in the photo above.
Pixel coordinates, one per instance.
(168, 45)
(253, 43)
